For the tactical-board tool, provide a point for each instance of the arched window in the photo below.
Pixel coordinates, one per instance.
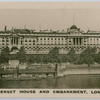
(25, 40)
(33, 42)
(29, 40)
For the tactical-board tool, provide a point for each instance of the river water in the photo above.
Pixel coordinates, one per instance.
(66, 82)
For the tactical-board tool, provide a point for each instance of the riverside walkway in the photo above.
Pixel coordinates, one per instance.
(79, 69)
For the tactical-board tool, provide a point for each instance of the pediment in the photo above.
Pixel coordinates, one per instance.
(14, 34)
(75, 32)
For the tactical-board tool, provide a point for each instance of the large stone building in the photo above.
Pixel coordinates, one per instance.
(42, 42)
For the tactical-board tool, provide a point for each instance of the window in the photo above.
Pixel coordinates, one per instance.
(55, 42)
(3, 40)
(33, 43)
(51, 42)
(41, 41)
(21, 42)
(97, 40)
(44, 42)
(7, 40)
(29, 40)
(58, 42)
(3, 44)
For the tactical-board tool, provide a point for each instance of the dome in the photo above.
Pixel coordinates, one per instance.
(73, 27)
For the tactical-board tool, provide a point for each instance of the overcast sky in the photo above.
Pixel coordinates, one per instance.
(55, 19)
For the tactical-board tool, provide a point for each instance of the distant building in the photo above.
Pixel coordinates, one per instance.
(42, 42)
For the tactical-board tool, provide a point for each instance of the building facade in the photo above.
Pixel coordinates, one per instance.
(42, 42)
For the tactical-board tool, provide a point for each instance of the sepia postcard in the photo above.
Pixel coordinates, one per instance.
(50, 49)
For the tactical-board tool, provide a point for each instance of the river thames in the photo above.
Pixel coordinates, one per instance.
(66, 82)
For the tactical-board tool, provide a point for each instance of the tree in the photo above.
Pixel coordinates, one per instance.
(64, 58)
(5, 54)
(97, 58)
(30, 58)
(13, 57)
(38, 58)
(87, 56)
(71, 55)
(21, 55)
(2, 59)
(54, 55)
(45, 58)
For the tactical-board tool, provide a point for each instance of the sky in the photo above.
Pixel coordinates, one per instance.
(55, 19)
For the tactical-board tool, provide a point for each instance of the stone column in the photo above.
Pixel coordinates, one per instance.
(12, 41)
(92, 40)
(17, 40)
(75, 41)
(78, 41)
(81, 41)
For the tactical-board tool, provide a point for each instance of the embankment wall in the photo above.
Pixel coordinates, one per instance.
(79, 71)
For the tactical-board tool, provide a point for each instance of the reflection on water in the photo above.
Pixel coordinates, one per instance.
(69, 81)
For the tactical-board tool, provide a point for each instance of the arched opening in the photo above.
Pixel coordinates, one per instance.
(14, 50)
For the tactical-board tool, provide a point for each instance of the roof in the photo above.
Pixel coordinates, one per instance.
(73, 27)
